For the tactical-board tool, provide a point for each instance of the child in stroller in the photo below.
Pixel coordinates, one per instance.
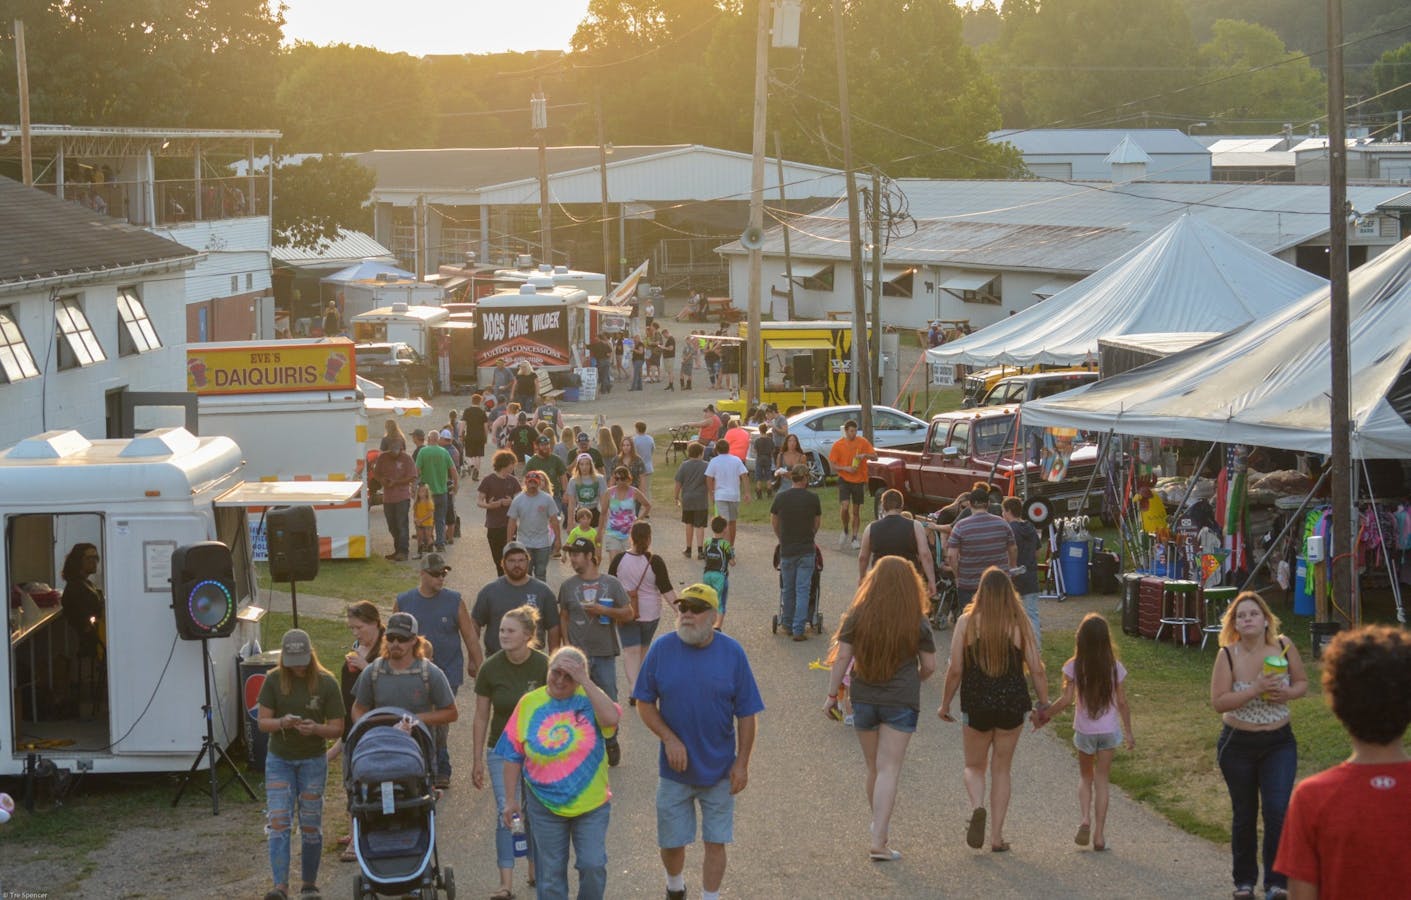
(392, 804)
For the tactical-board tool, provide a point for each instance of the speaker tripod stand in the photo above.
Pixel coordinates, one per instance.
(210, 750)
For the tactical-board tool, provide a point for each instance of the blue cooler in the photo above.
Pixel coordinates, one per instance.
(1302, 589)
(1073, 561)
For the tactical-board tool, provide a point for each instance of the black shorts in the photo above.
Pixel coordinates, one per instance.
(989, 720)
(851, 492)
(695, 517)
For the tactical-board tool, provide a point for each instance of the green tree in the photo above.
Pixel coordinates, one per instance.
(345, 99)
(1252, 77)
(1095, 63)
(1391, 75)
(316, 197)
(174, 63)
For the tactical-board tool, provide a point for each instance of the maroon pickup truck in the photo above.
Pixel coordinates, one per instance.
(971, 445)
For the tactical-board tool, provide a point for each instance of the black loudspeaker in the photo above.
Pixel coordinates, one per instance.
(291, 534)
(803, 369)
(203, 590)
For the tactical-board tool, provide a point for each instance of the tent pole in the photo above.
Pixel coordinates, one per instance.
(1102, 445)
(1287, 525)
(1190, 486)
(1381, 535)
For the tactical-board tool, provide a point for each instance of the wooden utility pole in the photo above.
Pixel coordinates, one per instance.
(1339, 350)
(861, 365)
(22, 65)
(876, 342)
(784, 227)
(607, 226)
(539, 121)
(751, 376)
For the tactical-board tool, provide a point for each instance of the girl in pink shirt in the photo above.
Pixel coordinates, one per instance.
(1093, 678)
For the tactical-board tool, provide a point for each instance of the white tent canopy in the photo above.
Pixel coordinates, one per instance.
(1190, 276)
(1268, 383)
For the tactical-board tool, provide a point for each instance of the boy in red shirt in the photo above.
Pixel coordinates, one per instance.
(1347, 829)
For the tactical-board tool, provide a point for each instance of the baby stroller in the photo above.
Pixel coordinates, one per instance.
(815, 616)
(945, 606)
(392, 804)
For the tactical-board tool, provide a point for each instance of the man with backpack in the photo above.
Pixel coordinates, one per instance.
(403, 677)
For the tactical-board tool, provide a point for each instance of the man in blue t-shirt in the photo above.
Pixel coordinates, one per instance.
(445, 622)
(696, 693)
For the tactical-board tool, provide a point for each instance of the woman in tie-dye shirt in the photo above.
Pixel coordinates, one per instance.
(555, 737)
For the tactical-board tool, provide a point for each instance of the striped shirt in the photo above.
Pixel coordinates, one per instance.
(982, 539)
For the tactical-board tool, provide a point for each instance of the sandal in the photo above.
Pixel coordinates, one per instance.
(348, 854)
(1001, 847)
(1084, 833)
(1099, 846)
(503, 894)
(975, 834)
(885, 855)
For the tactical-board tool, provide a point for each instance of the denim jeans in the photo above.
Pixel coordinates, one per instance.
(504, 840)
(396, 515)
(439, 501)
(539, 562)
(795, 582)
(603, 671)
(605, 378)
(442, 733)
(286, 779)
(1259, 768)
(636, 375)
(1031, 607)
(552, 834)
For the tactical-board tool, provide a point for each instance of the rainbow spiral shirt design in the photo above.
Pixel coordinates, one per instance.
(562, 749)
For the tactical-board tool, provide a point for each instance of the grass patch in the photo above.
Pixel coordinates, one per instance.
(350, 579)
(1173, 769)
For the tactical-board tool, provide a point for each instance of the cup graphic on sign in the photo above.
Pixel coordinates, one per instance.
(335, 364)
(196, 368)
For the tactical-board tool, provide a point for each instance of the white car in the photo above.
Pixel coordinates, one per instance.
(817, 429)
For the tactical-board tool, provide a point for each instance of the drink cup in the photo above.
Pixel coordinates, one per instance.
(1275, 665)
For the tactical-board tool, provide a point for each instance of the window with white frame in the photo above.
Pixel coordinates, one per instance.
(76, 342)
(135, 332)
(16, 362)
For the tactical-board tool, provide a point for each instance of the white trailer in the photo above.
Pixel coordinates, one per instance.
(136, 706)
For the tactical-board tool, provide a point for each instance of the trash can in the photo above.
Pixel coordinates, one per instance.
(1074, 563)
(253, 670)
(1320, 634)
(1131, 606)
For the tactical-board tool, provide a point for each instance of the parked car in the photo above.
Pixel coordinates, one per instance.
(397, 367)
(1023, 388)
(817, 429)
(967, 446)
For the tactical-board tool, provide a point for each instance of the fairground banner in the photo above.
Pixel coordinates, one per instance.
(538, 334)
(266, 367)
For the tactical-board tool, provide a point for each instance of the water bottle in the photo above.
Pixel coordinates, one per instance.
(521, 840)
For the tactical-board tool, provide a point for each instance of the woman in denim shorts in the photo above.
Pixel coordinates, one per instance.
(642, 571)
(886, 637)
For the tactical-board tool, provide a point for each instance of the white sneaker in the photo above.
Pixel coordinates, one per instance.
(843, 541)
(856, 543)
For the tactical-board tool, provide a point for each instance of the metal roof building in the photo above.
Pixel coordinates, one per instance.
(984, 249)
(1109, 154)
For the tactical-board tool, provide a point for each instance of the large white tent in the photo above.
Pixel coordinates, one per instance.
(1269, 382)
(1190, 276)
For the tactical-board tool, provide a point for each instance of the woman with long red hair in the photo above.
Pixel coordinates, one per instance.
(886, 639)
(992, 647)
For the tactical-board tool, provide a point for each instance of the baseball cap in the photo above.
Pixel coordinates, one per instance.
(514, 547)
(581, 545)
(583, 437)
(296, 649)
(545, 439)
(700, 593)
(434, 562)
(445, 434)
(402, 624)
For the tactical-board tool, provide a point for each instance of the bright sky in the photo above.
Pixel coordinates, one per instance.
(421, 27)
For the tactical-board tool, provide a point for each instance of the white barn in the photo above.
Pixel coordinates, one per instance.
(1109, 154)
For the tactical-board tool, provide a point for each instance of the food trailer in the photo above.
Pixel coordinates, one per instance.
(135, 704)
(295, 410)
(435, 332)
(538, 322)
(806, 365)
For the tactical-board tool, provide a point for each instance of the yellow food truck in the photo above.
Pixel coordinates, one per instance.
(806, 365)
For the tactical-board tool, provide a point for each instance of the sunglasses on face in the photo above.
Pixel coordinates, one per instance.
(398, 639)
(691, 606)
(435, 574)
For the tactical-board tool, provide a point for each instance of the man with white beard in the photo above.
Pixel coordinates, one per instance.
(697, 694)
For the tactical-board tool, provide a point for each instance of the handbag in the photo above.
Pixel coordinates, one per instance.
(632, 592)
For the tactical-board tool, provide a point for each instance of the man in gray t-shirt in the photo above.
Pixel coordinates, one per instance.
(534, 522)
(399, 678)
(516, 588)
(591, 604)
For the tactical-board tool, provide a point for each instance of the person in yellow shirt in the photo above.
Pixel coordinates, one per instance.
(848, 460)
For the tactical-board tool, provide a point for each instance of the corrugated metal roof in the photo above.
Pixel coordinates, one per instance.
(1074, 226)
(350, 246)
(42, 236)
(1097, 141)
(1127, 152)
(476, 168)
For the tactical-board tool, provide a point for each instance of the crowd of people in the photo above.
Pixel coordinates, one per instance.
(544, 660)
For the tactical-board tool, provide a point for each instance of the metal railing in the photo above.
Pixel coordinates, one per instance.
(171, 201)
